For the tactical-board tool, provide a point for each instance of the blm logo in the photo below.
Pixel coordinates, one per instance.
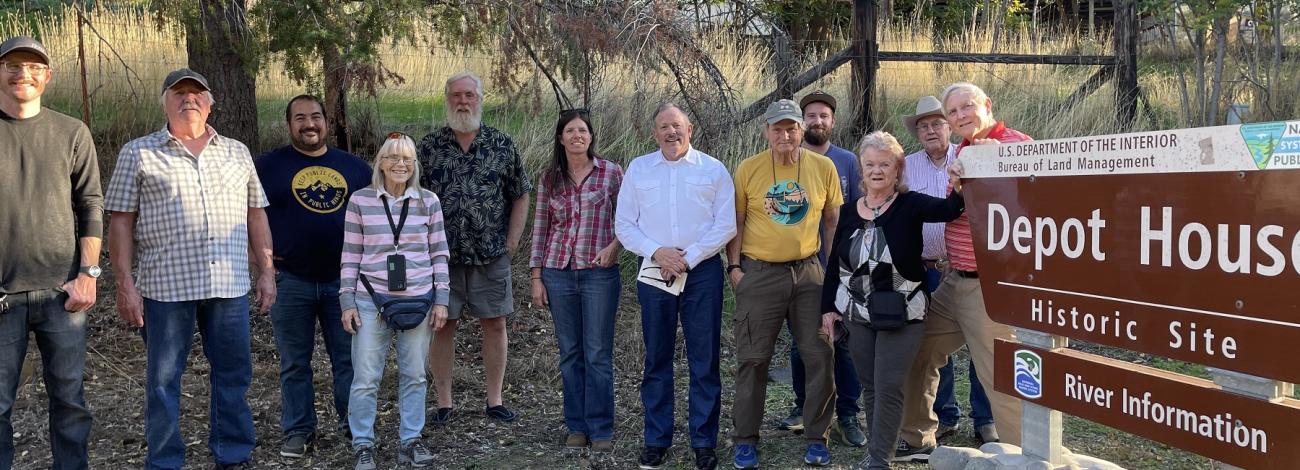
(1028, 372)
(1262, 140)
(320, 189)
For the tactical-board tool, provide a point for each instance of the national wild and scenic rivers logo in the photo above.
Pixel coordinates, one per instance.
(1029, 374)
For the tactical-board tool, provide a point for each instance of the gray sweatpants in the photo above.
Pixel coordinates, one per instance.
(883, 359)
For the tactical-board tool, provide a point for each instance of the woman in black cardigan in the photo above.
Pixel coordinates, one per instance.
(882, 230)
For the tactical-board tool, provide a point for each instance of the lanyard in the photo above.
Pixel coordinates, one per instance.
(397, 227)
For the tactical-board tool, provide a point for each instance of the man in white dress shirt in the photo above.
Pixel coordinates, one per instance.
(676, 206)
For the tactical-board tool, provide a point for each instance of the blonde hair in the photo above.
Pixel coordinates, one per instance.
(882, 141)
(403, 147)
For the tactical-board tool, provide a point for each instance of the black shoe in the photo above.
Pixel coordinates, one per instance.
(907, 453)
(442, 416)
(501, 413)
(794, 422)
(706, 458)
(296, 445)
(847, 430)
(653, 457)
(236, 466)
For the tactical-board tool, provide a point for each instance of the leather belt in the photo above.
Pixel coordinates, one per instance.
(967, 274)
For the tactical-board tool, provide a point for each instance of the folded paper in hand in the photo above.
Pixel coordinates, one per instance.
(650, 275)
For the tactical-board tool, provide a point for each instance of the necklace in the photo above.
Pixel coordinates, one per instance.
(875, 211)
(585, 171)
(798, 171)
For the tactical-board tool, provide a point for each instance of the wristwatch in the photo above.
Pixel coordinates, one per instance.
(732, 267)
(93, 271)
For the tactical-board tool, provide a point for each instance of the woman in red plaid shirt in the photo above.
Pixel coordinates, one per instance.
(575, 273)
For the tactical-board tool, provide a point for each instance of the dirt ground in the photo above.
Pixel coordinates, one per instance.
(114, 391)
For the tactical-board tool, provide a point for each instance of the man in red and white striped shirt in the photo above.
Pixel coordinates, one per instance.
(957, 314)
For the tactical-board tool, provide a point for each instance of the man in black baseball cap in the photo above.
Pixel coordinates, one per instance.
(52, 236)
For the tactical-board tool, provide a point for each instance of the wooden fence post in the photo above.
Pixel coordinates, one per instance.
(865, 63)
(1126, 86)
(81, 61)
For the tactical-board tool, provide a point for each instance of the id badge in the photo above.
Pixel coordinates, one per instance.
(396, 272)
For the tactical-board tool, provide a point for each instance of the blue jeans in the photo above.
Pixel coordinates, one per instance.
(945, 402)
(699, 309)
(61, 338)
(369, 354)
(168, 336)
(847, 387)
(583, 305)
(299, 305)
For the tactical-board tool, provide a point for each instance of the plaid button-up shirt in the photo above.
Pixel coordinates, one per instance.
(191, 230)
(572, 224)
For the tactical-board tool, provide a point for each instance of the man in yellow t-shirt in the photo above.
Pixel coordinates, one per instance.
(784, 196)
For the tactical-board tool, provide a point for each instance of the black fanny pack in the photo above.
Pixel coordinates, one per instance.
(886, 307)
(400, 312)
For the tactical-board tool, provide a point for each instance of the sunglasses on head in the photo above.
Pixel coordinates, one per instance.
(396, 135)
(584, 112)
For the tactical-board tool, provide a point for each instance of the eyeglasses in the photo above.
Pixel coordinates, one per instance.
(926, 127)
(399, 159)
(31, 67)
(396, 135)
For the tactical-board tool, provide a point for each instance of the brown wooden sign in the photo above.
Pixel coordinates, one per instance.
(1161, 249)
(1180, 411)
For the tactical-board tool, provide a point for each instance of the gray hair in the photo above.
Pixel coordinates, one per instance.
(401, 146)
(665, 106)
(478, 82)
(885, 142)
(967, 87)
(162, 98)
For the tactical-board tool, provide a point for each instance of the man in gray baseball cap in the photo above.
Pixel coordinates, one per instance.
(51, 241)
(24, 44)
(786, 197)
(181, 74)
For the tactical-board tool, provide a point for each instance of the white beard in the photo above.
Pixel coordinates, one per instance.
(464, 123)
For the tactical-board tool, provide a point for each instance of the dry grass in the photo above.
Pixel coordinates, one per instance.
(128, 53)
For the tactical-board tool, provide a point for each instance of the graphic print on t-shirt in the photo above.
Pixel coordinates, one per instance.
(320, 189)
(786, 202)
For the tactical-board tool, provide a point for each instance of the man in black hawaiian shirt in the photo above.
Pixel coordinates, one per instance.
(477, 172)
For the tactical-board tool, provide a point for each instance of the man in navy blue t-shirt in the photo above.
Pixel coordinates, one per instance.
(308, 184)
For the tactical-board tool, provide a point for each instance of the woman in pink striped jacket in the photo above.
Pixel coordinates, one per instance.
(392, 219)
